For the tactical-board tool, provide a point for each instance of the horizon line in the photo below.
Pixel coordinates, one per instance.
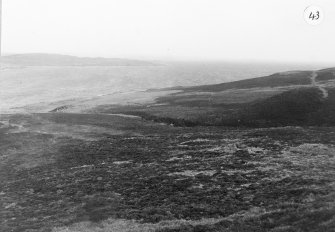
(186, 60)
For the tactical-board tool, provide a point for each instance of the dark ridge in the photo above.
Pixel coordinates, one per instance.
(177, 122)
(274, 80)
(326, 75)
(298, 107)
(327, 70)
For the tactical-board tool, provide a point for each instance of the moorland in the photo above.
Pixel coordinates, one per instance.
(249, 155)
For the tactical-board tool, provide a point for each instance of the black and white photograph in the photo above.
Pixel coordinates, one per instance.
(167, 116)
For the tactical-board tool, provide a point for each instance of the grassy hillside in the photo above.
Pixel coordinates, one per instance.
(283, 99)
(288, 108)
(275, 80)
(325, 115)
(326, 74)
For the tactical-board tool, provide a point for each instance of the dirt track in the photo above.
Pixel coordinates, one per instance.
(314, 83)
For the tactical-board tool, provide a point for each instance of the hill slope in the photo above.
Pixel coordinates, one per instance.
(274, 80)
(281, 99)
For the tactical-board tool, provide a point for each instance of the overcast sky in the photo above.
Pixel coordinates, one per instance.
(245, 30)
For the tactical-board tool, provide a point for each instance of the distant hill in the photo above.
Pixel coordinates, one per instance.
(39, 59)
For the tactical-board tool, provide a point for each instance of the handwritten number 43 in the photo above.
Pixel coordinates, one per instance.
(314, 16)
